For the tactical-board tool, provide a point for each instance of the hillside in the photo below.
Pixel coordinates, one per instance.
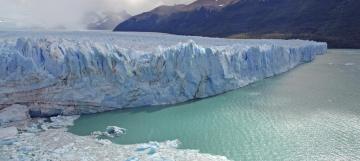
(334, 21)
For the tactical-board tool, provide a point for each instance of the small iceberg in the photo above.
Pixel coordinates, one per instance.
(349, 64)
(111, 131)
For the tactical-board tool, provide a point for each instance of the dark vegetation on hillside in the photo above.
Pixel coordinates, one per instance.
(334, 21)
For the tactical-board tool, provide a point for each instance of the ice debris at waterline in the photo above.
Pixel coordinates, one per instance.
(111, 131)
(87, 72)
(43, 139)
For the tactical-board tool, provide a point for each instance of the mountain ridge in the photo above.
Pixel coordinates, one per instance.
(334, 21)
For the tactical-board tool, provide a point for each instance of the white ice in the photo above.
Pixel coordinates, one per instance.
(54, 143)
(87, 72)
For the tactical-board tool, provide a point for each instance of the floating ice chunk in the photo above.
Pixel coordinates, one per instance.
(104, 141)
(63, 121)
(115, 131)
(172, 143)
(349, 64)
(59, 122)
(111, 131)
(133, 159)
(151, 148)
(97, 133)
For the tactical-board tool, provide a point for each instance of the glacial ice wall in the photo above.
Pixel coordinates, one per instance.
(87, 72)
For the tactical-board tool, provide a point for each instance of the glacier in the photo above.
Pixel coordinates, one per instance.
(86, 72)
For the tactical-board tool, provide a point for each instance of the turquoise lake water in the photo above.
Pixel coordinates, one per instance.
(309, 113)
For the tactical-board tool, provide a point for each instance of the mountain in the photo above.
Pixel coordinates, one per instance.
(334, 21)
(104, 20)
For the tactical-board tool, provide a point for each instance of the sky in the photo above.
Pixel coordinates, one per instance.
(67, 13)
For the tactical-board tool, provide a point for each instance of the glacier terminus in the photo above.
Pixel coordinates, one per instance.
(85, 72)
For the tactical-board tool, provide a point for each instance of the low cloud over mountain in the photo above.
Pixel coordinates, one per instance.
(69, 14)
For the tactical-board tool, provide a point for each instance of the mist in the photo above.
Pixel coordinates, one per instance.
(68, 14)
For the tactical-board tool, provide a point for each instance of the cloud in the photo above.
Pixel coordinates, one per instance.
(69, 13)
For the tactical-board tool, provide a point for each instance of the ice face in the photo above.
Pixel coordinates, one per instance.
(87, 72)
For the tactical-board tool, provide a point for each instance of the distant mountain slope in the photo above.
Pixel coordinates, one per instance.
(334, 21)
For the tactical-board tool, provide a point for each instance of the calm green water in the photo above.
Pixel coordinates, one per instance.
(310, 113)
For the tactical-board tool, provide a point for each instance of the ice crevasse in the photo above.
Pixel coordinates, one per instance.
(87, 72)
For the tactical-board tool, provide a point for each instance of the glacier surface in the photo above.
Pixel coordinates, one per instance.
(87, 72)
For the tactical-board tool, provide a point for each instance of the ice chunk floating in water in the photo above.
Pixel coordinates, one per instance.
(88, 72)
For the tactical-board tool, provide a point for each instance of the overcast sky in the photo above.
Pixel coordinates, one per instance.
(67, 13)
